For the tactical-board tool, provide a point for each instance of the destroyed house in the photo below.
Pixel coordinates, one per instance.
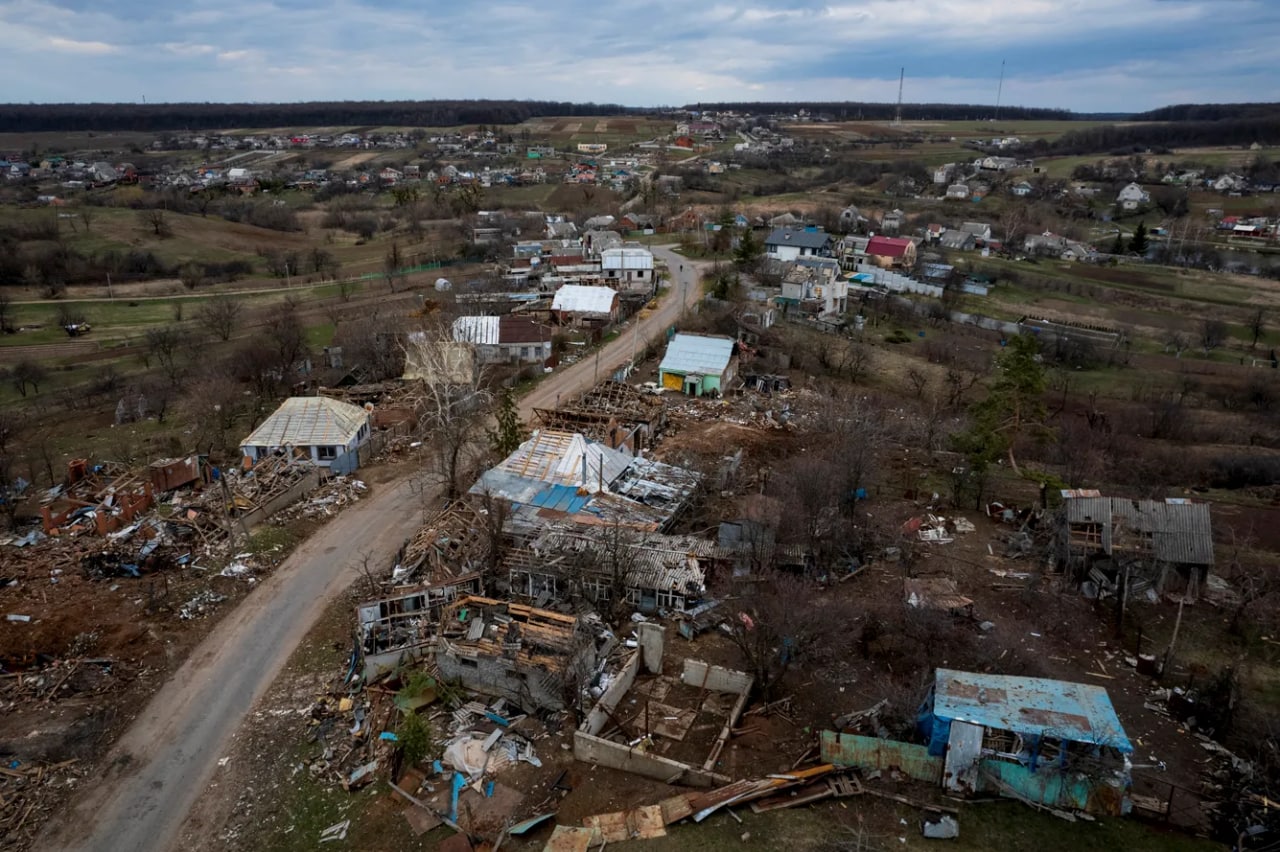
(1159, 537)
(564, 476)
(614, 413)
(534, 658)
(652, 571)
(1051, 742)
(439, 564)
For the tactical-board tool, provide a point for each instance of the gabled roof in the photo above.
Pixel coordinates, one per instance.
(800, 237)
(492, 331)
(305, 421)
(583, 299)
(1179, 533)
(703, 354)
(888, 246)
(1033, 707)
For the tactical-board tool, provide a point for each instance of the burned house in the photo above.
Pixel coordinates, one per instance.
(564, 476)
(613, 413)
(651, 571)
(534, 658)
(1048, 743)
(1162, 545)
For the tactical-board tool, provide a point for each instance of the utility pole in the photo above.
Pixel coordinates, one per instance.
(897, 116)
(999, 91)
(109, 295)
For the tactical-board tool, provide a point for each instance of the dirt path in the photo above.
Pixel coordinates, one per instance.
(162, 764)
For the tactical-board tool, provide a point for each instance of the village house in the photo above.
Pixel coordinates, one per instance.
(578, 304)
(1022, 189)
(629, 269)
(1133, 196)
(892, 252)
(958, 192)
(506, 339)
(815, 286)
(981, 232)
(792, 243)
(891, 222)
(942, 174)
(698, 364)
(320, 428)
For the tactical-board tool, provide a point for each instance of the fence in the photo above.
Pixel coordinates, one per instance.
(1160, 800)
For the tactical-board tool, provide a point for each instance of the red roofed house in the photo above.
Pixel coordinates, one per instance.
(892, 252)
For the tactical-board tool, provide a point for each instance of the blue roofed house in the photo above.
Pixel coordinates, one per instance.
(557, 476)
(698, 364)
(1052, 742)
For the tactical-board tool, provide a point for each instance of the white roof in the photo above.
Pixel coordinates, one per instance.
(479, 331)
(305, 421)
(697, 353)
(626, 258)
(583, 299)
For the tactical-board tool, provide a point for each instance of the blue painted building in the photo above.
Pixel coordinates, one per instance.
(1051, 742)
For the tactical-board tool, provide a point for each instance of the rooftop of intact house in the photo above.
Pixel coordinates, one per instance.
(1075, 712)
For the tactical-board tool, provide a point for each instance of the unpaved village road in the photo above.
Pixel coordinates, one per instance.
(166, 758)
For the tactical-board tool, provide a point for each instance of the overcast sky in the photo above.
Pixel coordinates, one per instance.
(1085, 55)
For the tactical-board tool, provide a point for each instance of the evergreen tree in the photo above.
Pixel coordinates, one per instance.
(1138, 245)
(506, 438)
(748, 252)
(1012, 408)
(1118, 246)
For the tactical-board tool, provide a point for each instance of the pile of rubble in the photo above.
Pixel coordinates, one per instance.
(29, 793)
(362, 733)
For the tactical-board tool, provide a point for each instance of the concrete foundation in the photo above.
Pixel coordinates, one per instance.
(601, 752)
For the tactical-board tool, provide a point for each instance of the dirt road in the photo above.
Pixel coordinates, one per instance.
(167, 756)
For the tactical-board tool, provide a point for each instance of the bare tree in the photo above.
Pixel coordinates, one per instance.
(1177, 341)
(1257, 325)
(454, 400)
(166, 346)
(286, 337)
(6, 311)
(157, 220)
(778, 620)
(221, 316)
(191, 275)
(1213, 333)
(27, 374)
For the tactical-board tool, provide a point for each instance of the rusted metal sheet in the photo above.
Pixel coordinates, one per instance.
(643, 823)
(871, 753)
(567, 838)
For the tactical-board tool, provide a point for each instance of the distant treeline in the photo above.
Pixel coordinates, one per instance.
(31, 118)
(853, 110)
(1128, 138)
(1209, 112)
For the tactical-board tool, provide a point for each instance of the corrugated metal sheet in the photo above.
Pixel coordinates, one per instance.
(307, 421)
(626, 258)
(581, 299)
(478, 331)
(1180, 533)
(871, 753)
(1075, 712)
(697, 353)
